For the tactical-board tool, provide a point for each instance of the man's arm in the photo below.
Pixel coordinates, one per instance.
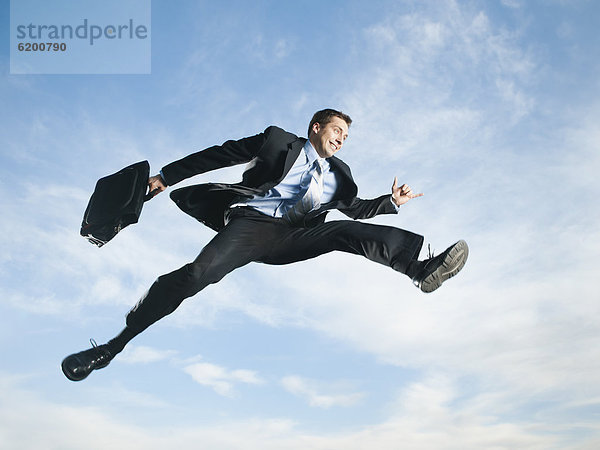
(386, 204)
(228, 154)
(359, 208)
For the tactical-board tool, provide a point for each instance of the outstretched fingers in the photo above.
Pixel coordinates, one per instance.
(401, 194)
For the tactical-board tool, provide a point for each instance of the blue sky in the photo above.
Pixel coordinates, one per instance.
(489, 108)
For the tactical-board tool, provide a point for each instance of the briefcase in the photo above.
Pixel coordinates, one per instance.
(116, 203)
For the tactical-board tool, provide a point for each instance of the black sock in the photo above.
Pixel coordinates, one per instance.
(118, 343)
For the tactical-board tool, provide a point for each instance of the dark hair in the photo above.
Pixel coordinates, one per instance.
(324, 116)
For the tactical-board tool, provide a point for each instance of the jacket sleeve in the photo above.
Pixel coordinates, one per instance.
(228, 154)
(365, 209)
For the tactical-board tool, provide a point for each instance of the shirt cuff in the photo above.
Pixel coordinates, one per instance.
(163, 177)
(395, 206)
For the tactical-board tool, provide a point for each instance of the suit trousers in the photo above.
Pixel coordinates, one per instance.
(250, 236)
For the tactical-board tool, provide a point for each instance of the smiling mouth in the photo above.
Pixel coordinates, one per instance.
(333, 146)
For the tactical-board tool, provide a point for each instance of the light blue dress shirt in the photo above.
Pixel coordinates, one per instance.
(281, 198)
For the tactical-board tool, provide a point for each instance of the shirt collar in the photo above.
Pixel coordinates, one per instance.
(312, 155)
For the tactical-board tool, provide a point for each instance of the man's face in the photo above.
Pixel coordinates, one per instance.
(329, 139)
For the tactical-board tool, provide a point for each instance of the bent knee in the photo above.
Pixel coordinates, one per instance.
(201, 274)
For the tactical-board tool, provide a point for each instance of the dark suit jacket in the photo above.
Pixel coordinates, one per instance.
(269, 156)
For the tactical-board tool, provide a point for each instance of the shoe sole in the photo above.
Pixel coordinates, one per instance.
(453, 263)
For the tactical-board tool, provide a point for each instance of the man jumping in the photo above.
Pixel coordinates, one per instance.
(275, 215)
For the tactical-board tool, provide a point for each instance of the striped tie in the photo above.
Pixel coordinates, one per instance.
(311, 199)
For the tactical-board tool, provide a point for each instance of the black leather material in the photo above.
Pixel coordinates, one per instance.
(78, 366)
(116, 203)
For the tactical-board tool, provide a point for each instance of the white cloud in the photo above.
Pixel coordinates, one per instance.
(266, 51)
(516, 4)
(434, 85)
(220, 379)
(139, 354)
(423, 415)
(312, 392)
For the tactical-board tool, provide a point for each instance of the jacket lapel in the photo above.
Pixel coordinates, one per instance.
(346, 187)
(345, 192)
(294, 149)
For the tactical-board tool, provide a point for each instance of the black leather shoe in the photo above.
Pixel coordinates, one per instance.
(78, 366)
(440, 268)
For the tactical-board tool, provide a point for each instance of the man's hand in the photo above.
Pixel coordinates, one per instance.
(402, 194)
(156, 185)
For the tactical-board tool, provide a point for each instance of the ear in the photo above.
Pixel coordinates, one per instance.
(316, 127)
